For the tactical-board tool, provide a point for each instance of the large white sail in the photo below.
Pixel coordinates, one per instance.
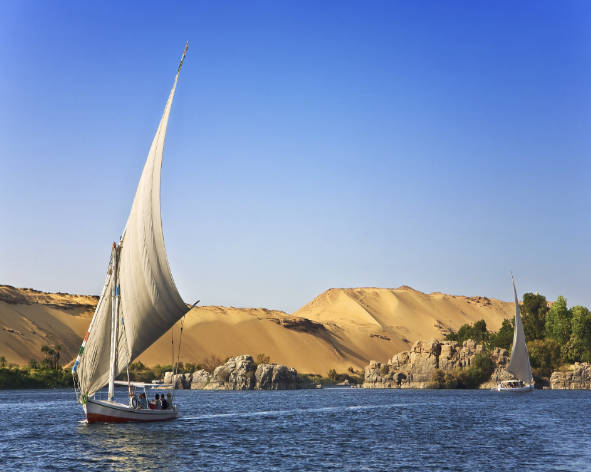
(149, 300)
(519, 362)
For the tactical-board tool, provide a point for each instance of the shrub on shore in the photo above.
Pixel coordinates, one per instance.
(25, 377)
(469, 377)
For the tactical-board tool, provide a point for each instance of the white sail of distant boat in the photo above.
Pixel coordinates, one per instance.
(139, 301)
(519, 364)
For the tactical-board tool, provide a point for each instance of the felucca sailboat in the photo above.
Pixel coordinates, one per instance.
(138, 304)
(519, 363)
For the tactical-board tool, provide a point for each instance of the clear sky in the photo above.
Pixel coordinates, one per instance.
(311, 145)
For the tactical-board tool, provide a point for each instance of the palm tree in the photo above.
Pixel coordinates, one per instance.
(2, 362)
(56, 355)
(49, 353)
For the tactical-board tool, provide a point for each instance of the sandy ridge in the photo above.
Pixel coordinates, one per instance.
(339, 329)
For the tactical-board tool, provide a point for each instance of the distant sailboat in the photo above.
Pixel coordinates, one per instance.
(519, 363)
(138, 304)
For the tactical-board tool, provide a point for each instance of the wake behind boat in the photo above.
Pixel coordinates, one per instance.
(519, 364)
(138, 304)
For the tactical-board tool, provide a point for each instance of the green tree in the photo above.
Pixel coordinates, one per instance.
(504, 336)
(57, 355)
(332, 374)
(471, 377)
(558, 322)
(575, 351)
(476, 332)
(581, 324)
(544, 355)
(533, 312)
(2, 362)
(483, 361)
(48, 352)
(578, 347)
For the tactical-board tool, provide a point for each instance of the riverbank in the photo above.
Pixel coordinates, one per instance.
(23, 377)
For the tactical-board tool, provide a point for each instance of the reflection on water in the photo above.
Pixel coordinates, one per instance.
(129, 446)
(307, 430)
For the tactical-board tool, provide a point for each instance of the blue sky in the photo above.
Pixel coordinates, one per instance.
(311, 145)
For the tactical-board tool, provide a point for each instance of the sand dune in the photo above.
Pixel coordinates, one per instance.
(377, 322)
(30, 319)
(224, 332)
(340, 328)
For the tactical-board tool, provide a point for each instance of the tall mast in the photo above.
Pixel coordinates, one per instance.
(182, 58)
(114, 320)
(139, 285)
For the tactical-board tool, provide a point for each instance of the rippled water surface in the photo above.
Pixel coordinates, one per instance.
(316, 430)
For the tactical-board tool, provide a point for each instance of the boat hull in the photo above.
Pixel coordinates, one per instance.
(524, 389)
(102, 411)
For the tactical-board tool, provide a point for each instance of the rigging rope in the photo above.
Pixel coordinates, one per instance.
(128, 356)
(176, 365)
(172, 348)
(180, 339)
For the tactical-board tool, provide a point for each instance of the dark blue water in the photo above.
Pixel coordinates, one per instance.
(316, 430)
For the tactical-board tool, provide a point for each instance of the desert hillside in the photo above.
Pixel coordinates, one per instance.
(340, 328)
(30, 319)
(374, 323)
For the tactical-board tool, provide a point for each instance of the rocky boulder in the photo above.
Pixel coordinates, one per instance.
(275, 377)
(415, 368)
(574, 377)
(238, 373)
(501, 358)
(168, 378)
(182, 381)
(200, 379)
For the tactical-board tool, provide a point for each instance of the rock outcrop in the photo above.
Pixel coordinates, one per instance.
(180, 381)
(276, 377)
(576, 377)
(238, 373)
(197, 380)
(501, 358)
(415, 368)
(167, 377)
(200, 379)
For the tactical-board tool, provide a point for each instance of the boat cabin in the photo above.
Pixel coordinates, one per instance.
(512, 384)
(135, 399)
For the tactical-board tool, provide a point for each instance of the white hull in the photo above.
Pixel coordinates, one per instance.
(525, 388)
(103, 411)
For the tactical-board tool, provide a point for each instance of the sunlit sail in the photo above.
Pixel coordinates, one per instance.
(139, 301)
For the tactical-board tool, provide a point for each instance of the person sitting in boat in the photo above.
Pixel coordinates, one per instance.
(169, 399)
(154, 403)
(143, 402)
(158, 403)
(164, 403)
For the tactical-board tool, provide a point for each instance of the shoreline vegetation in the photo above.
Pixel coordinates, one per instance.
(37, 374)
(47, 374)
(558, 337)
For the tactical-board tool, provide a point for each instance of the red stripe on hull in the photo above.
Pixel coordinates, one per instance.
(96, 418)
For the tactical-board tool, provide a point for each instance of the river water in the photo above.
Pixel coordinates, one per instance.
(315, 430)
